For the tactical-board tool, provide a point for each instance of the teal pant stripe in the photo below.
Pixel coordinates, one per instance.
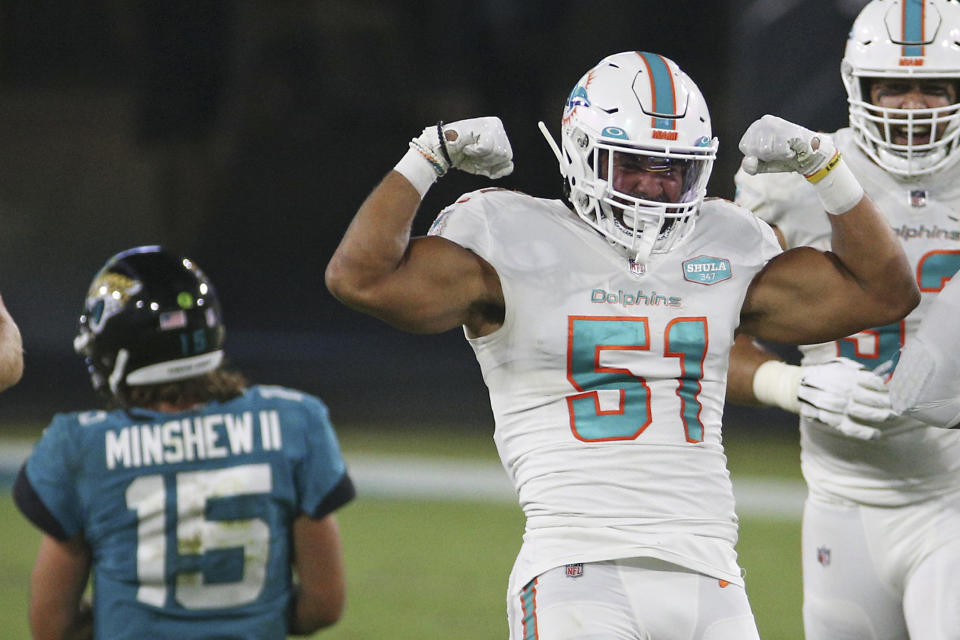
(529, 599)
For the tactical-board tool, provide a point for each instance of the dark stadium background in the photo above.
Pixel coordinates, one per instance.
(246, 133)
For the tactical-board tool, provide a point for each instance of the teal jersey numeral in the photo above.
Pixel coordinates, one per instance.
(936, 268)
(687, 340)
(877, 346)
(589, 337)
(873, 347)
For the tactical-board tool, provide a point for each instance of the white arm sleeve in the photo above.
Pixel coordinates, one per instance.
(926, 382)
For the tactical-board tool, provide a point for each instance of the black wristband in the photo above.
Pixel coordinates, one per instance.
(443, 143)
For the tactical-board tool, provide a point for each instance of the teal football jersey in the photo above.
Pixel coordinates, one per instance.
(188, 515)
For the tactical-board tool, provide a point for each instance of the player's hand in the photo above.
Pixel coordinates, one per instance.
(82, 626)
(477, 145)
(845, 395)
(772, 145)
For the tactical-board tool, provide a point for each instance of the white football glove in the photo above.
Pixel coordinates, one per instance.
(845, 395)
(477, 145)
(772, 145)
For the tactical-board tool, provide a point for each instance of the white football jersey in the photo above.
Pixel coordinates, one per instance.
(607, 386)
(926, 384)
(910, 462)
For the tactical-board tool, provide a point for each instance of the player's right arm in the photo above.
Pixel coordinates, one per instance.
(57, 583)
(428, 284)
(11, 350)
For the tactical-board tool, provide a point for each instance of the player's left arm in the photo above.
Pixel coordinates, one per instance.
(805, 295)
(57, 583)
(320, 594)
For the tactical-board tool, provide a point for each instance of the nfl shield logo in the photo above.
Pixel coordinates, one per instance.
(918, 198)
(573, 570)
(637, 268)
(823, 556)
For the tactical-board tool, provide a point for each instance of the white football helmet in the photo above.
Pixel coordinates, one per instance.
(639, 109)
(911, 40)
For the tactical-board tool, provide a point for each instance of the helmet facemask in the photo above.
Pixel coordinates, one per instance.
(905, 142)
(648, 213)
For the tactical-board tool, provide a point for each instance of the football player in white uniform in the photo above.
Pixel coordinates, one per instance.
(602, 326)
(880, 558)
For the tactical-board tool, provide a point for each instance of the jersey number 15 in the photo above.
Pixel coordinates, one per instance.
(197, 535)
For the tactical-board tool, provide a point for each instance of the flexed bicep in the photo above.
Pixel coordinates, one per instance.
(439, 285)
(430, 284)
(805, 296)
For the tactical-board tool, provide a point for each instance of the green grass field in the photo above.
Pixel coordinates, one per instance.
(428, 569)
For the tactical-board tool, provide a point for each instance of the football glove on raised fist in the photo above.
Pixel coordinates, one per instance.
(478, 145)
(773, 145)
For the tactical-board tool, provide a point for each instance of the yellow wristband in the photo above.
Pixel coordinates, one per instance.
(817, 176)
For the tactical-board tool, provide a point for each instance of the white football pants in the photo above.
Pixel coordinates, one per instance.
(630, 599)
(881, 573)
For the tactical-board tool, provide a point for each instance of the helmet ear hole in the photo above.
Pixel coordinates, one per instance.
(582, 139)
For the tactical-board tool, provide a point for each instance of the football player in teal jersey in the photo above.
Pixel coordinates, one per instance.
(203, 506)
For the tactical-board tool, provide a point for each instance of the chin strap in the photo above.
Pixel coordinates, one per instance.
(645, 242)
(174, 370)
(552, 144)
(119, 368)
